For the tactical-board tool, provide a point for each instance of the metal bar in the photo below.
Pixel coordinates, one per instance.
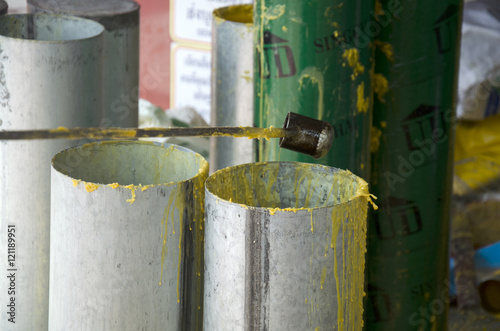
(299, 133)
(131, 133)
(120, 80)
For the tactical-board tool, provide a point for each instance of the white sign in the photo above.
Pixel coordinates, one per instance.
(191, 75)
(191, 20)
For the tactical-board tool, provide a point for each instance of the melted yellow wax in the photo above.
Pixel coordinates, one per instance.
(91, 187)
(362, 191)
(247, 78)
(132, 191)
(60, 129)
(362, 103)
(94, 133)
(352, 57)
(385, 48)
(239, 14)
(380, 86)
(254, 133)
(349, 280)
(179, 204)
(164, 222)
(175, 206)
(323, 276)
(376, 134)
(273, 211)
(273, 12)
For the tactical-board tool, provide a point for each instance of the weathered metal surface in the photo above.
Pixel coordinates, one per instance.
(49, 66)
(127, 237)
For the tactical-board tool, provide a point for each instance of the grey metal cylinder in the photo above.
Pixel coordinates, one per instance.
(3, 7)
(232, 83)
(50, 68)
(121, 52)
(284, 248)
(127, 237)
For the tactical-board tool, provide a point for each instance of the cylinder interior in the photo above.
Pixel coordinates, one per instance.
(237, 14)
(125, 163)
(87, 8)
(283, 185)
(48, 27)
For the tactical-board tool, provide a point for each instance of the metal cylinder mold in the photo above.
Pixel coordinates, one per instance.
(232, 83)
(121, 53)
(314, 58)
(127, 237)
(49, 72)
(284, 248)
(415, 83)
(3, 7)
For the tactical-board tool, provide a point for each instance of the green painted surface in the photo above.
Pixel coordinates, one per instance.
(300, 67)
(407, 260)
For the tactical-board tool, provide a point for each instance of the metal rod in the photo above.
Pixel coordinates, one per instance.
(132, 133)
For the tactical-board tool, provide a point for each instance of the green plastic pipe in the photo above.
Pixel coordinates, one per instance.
(415, 85)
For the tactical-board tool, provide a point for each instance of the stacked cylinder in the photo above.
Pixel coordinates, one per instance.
(120, 80)
(41, 56)
(232, 84)
(415, 84)
(285, 247)
(127, 237)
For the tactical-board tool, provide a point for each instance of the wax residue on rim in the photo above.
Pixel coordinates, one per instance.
(91, 187)
(234, 14)
(199, 161)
